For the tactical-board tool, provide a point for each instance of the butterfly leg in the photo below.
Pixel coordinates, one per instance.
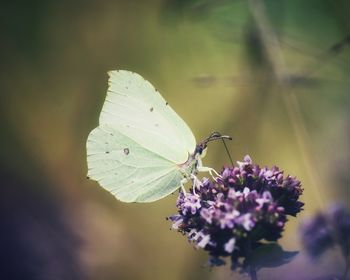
(182, 185)
(202, 168)
(196, 183)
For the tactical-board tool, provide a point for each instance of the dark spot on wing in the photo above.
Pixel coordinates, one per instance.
(111, 134)
(87, 177)
(151, 109)
(166, 103)
(107, 152)
(126, 151)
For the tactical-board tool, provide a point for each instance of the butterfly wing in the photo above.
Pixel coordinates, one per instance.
(136, 109)
(135, 151)
(128, 170)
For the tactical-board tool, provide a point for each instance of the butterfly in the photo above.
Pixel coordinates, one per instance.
(142, 150)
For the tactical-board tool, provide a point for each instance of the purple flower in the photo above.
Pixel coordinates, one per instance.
(246, 221)
(189, 203)
(316, 235)
(243, 206)
(326, 230)
(340, 216)
(230, 245)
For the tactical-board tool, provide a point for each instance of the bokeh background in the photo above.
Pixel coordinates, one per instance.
(273, 74)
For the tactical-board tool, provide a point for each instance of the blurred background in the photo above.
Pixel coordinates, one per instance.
(273, 74)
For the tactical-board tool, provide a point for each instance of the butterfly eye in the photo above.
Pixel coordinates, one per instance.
(199, 149)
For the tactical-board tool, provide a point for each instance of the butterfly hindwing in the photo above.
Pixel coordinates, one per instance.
(128, 170)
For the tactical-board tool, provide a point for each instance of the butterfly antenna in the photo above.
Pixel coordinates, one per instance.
(216, 136)
(228, 152)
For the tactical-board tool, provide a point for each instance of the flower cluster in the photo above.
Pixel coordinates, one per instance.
(232, 215)
(326, 230)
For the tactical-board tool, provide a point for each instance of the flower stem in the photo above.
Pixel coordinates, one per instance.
(347, 267)
(252, 273)
(252, 269)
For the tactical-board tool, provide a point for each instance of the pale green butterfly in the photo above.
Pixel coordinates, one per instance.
(142, 150)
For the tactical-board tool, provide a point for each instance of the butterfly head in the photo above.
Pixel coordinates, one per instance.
(191, 164)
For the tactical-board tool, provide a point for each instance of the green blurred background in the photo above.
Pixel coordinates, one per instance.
(273, 74)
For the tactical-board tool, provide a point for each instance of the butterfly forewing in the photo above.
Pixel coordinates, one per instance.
(136, 109)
